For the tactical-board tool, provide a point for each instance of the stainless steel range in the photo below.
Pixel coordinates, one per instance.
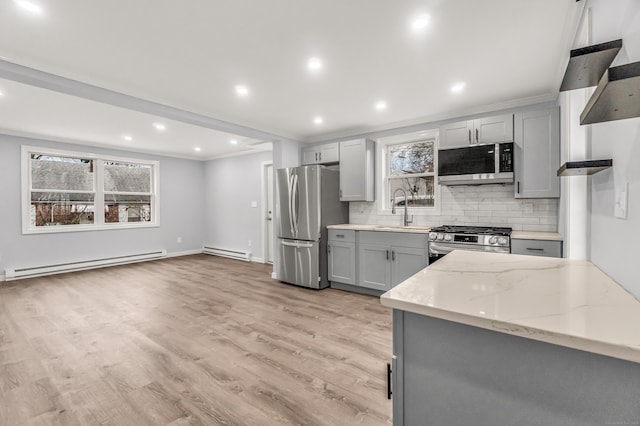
(445, 239)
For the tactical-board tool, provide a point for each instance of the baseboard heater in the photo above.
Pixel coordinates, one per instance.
(233, 254)
(37, 271)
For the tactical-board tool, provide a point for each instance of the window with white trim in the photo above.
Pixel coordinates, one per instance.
(411, 170)
(71, 191)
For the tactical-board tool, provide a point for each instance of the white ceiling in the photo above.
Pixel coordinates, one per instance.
(191, 54)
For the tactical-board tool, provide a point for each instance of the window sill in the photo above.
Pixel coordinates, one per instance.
(84, 228)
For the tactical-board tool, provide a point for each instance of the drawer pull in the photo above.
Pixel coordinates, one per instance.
(389, 391)
(535, 249)
(339, 235)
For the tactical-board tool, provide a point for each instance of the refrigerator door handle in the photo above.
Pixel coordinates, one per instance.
(296, 244)
(295, 207)
(291, 204)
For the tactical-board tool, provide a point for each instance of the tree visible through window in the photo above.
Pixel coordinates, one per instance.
(411, 168)
(67, 189)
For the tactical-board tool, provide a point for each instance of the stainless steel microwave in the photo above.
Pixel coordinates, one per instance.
(476, 164)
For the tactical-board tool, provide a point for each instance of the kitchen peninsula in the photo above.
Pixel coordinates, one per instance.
(498, 339)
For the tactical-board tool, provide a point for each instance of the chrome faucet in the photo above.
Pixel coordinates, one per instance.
(407, 221)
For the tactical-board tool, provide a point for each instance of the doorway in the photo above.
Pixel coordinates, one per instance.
(267, 211)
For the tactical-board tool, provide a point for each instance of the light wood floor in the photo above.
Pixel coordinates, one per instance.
(188, 341)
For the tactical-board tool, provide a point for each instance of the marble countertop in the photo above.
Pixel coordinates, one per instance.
(570, 303)
(382, 228)
(535, 235)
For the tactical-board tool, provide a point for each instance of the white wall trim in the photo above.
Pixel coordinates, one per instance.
(184, 253)
(3, 277)
(263, 206)
(257, 259)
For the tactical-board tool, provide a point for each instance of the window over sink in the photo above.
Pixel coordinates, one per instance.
(409, 162)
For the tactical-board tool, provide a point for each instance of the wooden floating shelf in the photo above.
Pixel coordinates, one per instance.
(617, 96)
(587, 64)
(583, 168)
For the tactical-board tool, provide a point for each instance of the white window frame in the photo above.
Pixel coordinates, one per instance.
(99, 222)
(382, 164)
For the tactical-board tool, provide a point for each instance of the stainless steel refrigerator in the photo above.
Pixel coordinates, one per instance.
(307, 201)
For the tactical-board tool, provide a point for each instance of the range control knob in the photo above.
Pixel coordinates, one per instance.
(493, 240)
(433, 236)
(502, 241)
(440, 237)
(447, 237)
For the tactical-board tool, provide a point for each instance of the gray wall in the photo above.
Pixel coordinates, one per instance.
(181, 214)
(614, 245)
(231, 184)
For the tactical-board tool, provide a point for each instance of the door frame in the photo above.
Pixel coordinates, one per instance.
(263, 210)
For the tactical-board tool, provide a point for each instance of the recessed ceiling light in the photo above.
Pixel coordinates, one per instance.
(318, 120)
(242, 90)
(160, 127)
(314, 64)
(381, 105)
(421, 22)
(233, 142)
(127, 138)
(27, 5)
(197, 149)
(458, 87)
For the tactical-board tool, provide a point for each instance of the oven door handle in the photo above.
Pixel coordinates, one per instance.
(442, 249)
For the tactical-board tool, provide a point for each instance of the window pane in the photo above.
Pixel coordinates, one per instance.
(58, 208)
(127, 208)
(61, 173)
(127, 177)
(411, 158)
(419, 191)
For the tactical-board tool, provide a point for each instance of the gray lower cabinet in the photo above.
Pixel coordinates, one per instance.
(537, 153)
(385, 259)
(341, 254)
(447, 373)
(549, 248)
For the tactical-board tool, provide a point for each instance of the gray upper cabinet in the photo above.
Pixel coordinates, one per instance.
(487, 130)
(321, 154)
(537, 153)
(357, 166)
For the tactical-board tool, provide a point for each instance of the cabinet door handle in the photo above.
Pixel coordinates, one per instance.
(477, 139)
(389, 391)
(387, 254)
(535, 249)
(469, 135)
(393, 255)
(320, 156)
(518, 189)
(316, 156)
(339, 235)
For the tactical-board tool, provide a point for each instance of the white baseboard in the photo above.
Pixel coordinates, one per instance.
(274, 275)
(3, 277)
(184, 253)
(257, 259)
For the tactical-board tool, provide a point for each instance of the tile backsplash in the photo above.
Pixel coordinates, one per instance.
(482, 205)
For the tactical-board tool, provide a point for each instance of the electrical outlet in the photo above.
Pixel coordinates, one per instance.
(179, 240)
(528, 207)
(622, 200)
(254, 204)
(249, 243)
